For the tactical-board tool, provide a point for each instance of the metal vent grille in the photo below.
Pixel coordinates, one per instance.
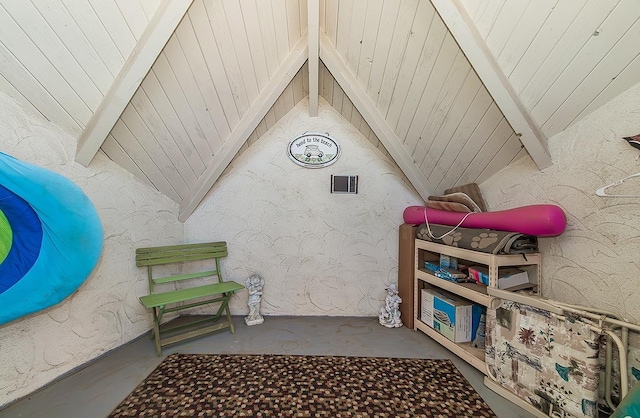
(344, 184)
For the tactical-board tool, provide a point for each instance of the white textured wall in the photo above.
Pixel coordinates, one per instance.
(320, 253)
(104, 313)
(595, 261)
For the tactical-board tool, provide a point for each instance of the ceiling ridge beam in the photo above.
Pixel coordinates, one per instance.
(313, 11)
(250, 120)
(367, 108)
(495, 80)
(157, 33)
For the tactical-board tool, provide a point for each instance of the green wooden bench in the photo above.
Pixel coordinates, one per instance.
(173, 300)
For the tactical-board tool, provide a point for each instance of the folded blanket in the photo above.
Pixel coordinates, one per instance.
(483, 240)
(473, 191)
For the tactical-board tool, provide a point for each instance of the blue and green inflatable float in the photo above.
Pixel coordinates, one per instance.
(50, 238)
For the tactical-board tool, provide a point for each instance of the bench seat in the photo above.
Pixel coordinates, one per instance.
(184, 295)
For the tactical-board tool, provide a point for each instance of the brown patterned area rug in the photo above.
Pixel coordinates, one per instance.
(302, 386)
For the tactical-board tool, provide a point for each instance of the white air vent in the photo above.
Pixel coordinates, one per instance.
(344, 184)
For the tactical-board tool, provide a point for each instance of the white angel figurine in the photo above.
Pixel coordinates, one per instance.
(390, 312)
(254, 283)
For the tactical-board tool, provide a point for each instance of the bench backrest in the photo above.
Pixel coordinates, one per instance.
(174, 254)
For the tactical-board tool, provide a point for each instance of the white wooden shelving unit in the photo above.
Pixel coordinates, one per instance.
(477, 293)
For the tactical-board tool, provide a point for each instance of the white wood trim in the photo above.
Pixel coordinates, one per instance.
(250, 120)
(66, 29)
(107, 30)
(456, 108)
(281, 26)
(206, 42)
(302, 13)
(409, 74)
(149, 7)
(330, 27)
(239, 43)
(25, 85)
(369, 39)
(298, 88)
(293, 20)
(468, 37)
(115, 152)
(161, 27)
(367, 108)
(314, 31)
(384, 39)
(134, 15)
(249, 12)
(268, 35)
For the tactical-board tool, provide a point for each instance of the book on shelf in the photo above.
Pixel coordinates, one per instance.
(509, 278)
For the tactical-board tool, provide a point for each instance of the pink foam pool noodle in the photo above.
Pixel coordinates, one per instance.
(537, 220)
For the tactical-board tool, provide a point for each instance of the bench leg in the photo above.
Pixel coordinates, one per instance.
(226, 308)
(156, 330)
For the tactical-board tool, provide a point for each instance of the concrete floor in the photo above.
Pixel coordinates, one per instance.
(97, 389)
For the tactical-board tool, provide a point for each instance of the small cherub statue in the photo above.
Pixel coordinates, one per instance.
(254, 283)
(390, 313)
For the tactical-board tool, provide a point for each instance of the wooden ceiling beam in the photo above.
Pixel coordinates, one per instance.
(367, 108)
(313, 8)
(250, 120)
(495, 80)
(158, 31)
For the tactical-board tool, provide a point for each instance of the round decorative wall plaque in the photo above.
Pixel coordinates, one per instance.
(314, 150)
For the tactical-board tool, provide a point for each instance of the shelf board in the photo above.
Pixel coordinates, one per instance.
(470, 354)
(480, 257)
(471, 291)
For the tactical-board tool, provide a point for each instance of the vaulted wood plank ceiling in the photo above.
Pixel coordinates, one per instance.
(173, 90)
